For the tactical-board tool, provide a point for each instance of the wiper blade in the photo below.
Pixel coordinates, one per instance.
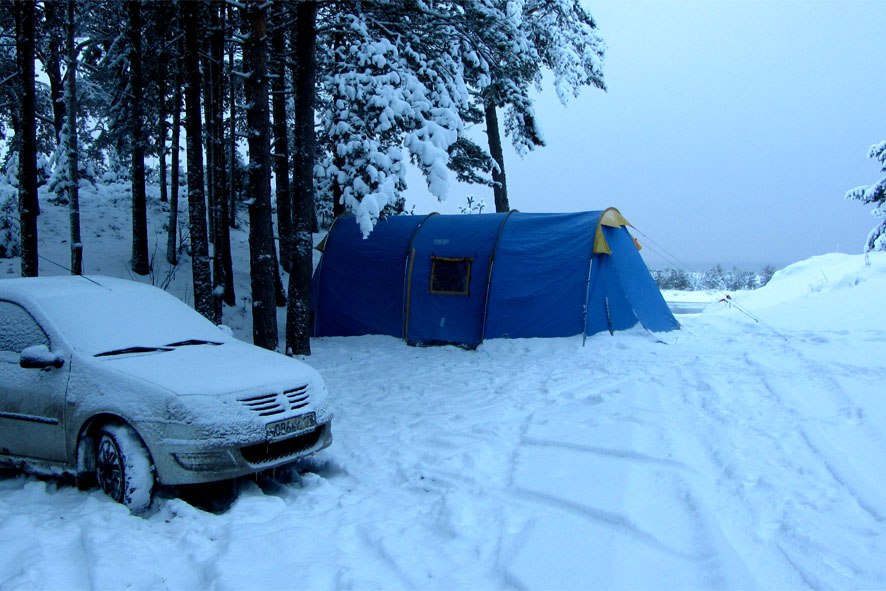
(188, 342)
(132, 350)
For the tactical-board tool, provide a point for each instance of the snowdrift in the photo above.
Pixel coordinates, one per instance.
(829, 292)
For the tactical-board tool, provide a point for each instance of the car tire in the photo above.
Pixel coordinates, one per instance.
(123, 467)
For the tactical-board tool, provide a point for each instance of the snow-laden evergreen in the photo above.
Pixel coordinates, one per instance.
(874, 194)
(389, 102)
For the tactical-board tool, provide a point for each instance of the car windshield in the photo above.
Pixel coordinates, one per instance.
(120, 321)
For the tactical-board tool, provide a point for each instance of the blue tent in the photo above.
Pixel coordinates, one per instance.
(460, 279)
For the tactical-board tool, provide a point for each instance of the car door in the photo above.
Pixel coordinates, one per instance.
(32, 401)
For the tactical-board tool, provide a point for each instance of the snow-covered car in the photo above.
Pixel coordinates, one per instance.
(124, 386)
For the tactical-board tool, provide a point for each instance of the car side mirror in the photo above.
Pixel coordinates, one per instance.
(40, 357)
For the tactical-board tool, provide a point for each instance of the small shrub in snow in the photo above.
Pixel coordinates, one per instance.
(10, 239)
(475, 205)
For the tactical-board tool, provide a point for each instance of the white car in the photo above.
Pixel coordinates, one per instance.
(121, 384)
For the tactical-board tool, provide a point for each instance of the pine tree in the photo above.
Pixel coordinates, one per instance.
(280, 151)
(262, 258)
(304, 82)
(875, 195)
(175, 156)
(140, 259)
(203, 301)
(394, 80)
(26, 132)
(557, 35)
(71, 137)
(50, 38)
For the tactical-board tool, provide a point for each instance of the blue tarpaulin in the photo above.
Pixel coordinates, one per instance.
(460, 279)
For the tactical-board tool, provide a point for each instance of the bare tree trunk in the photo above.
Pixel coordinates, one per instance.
(72, 148)
(162, 127)
(232, 211)
(175, 157)
(499, 180)
(305, 74)
(52, 13)
(262, 257)
(223, 271)
(215, 182)
(140, 260)
(281, 144)
(196, 199)
(208, 129)
(28, 204)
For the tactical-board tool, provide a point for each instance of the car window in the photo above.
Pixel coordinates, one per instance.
(18, 330)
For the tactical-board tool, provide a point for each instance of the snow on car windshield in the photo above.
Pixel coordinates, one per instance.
(108, 320)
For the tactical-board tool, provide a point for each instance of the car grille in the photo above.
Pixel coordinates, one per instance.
(268, 405)
(263, 453)
(297, 398)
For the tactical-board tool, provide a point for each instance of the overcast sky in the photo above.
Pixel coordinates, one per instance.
(729, 133)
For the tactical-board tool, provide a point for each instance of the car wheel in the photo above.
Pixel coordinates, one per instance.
(123, 467)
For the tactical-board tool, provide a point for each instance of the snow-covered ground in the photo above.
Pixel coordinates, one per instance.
(744, 451)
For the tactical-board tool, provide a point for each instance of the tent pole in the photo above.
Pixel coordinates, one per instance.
(407, 278)
(584, 315)
(501, 228)
(408, 296)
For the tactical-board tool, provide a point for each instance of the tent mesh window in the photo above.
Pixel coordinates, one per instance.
(450, 276)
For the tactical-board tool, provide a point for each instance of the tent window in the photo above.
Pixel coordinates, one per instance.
(450, 276)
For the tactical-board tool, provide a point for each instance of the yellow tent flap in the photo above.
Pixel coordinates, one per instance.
(612, 218)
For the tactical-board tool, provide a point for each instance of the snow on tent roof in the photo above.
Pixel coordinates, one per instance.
(504, 275)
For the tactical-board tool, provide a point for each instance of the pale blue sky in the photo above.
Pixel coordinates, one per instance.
(729, 133)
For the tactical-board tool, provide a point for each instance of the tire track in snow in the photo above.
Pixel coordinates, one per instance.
(725, 411)
(625, 454)
(685, 535)
(615, 520)
(834, 462)
(767, 448)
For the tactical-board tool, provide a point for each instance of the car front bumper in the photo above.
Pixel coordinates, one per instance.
(194, 462)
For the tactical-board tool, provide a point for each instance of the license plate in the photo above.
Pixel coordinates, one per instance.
(289, 426)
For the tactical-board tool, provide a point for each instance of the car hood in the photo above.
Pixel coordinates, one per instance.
(232, 368)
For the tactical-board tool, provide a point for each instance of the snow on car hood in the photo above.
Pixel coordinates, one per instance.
(214, 370)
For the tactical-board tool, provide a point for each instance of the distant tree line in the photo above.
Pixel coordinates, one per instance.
(331, 96)
(714, 279)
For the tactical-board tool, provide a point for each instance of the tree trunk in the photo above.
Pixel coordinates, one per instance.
(208, 129)
(162, 127)
(28, 204)
(72, 148)
(500, 183)
(222, 263)
(281, 146)
(224, 227)
(196, 199)
(52, 12)
(232, 210)
(140, 261)
(305, 73)
(175, 169)
(262, 255)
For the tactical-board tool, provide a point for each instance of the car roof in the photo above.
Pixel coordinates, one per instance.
(97, 314)
(42, 288)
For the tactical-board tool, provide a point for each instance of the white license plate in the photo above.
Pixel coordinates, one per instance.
(287, 427)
